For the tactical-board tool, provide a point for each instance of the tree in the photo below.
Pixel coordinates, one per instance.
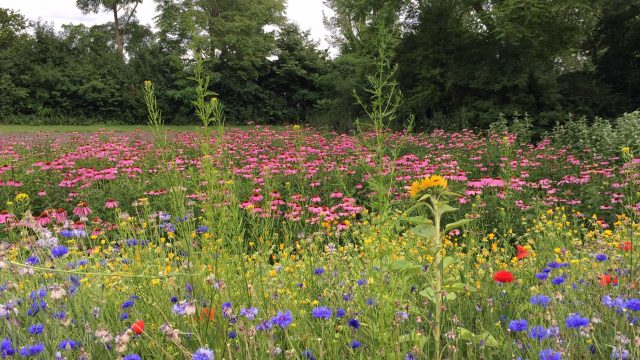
(115, 7)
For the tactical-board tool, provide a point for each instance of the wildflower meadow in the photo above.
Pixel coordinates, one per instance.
(295, 243)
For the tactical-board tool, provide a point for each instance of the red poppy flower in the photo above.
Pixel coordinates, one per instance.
(503, 276)
(138, 327)
(522, 252)
(606, 279)
(626, 246)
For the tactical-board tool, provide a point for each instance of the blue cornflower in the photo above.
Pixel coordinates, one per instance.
(518, 325)
(546, 270)
(601, 257)
(127, 304)
(538, 332)
(123, 316)
(362, 282)
(346, 297)
(542, 276)
(203, 354)
(58, 251)
(576, 321)
(354, 323)
(557, 280)
(59, 315)
(632, 304)
(355, 344)
(174, 299)
(609, 302)
(40, 293)
(82, 262)
(67, 345)
(32, 260)
(31, 350)
(6, 348)
(283, 319)
(318, 271)
(132, 357)
(370, 301)
(541, 300)
(36, 329)
(549, 354)
(410, 356)
(340, 313)
(202, 229)
(322, 312)
(249, 313)
(66, 233)
(307, 354)
(232, 335)
(619, 353)
(554, 265)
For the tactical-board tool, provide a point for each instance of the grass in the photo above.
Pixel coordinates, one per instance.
(27, 129)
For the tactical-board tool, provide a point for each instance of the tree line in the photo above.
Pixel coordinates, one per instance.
(459, 63)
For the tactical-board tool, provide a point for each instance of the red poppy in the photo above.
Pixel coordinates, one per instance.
(626, 246)
(503, 276)
(606, 279)
(207, 314)
(138, 327)
(522, 252)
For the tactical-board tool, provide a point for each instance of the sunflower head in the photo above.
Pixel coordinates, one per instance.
(433, 181)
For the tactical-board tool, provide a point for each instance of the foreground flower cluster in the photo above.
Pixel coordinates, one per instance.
(104, 257)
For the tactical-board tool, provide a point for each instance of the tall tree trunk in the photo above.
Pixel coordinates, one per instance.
(119, 37)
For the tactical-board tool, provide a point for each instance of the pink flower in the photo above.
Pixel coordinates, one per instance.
(60, 215)
(111, 204)
(82, 210)
(5, 216)
(43, 219)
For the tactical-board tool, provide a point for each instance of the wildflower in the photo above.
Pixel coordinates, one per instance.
(203, 354)
(522, 252)
(626, 246)
(319, 271)
(283, 319)
(576, 321)
(538, 332)
(81, 210)
(549, 354)
(111, 204)
(138, 327)
(354, 323)
(541, 300)
(558, 280)
(31, 350)
(123, 316)
(307, 354)
(232, 335)
(127, 304)
(601, 257)
(22, 197)
(340, 313)
(503, 276)
(542, 276)
(68, 345)
(518, 325)
(632, 304)
(6, 348)
(619, 353)
(58, 251)
(322, 312)
(355, 344)
(606, 279)
(132, 357)
(429, 182)
(249, 313)
(208, 314)
(35, 329)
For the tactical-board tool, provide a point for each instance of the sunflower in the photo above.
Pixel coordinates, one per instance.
(427, 183)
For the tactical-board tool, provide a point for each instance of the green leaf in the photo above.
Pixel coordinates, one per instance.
(447, 261)
(445, 208)
(457, 224)
(424, 197)
(405, 267)
(451, 193)
(425, 230)
(418, 220)
(428, 293)
(451, 296)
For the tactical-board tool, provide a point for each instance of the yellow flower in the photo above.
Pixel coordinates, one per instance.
(22, 197)
(427, 183)
(148, 83)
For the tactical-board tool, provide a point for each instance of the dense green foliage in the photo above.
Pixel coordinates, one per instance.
(460, 63)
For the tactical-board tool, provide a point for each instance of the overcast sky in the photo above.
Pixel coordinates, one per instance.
(307, 13)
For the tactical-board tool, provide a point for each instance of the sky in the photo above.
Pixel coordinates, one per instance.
(307, 13)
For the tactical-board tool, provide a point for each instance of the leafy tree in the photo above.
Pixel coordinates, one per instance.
(120, 25)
